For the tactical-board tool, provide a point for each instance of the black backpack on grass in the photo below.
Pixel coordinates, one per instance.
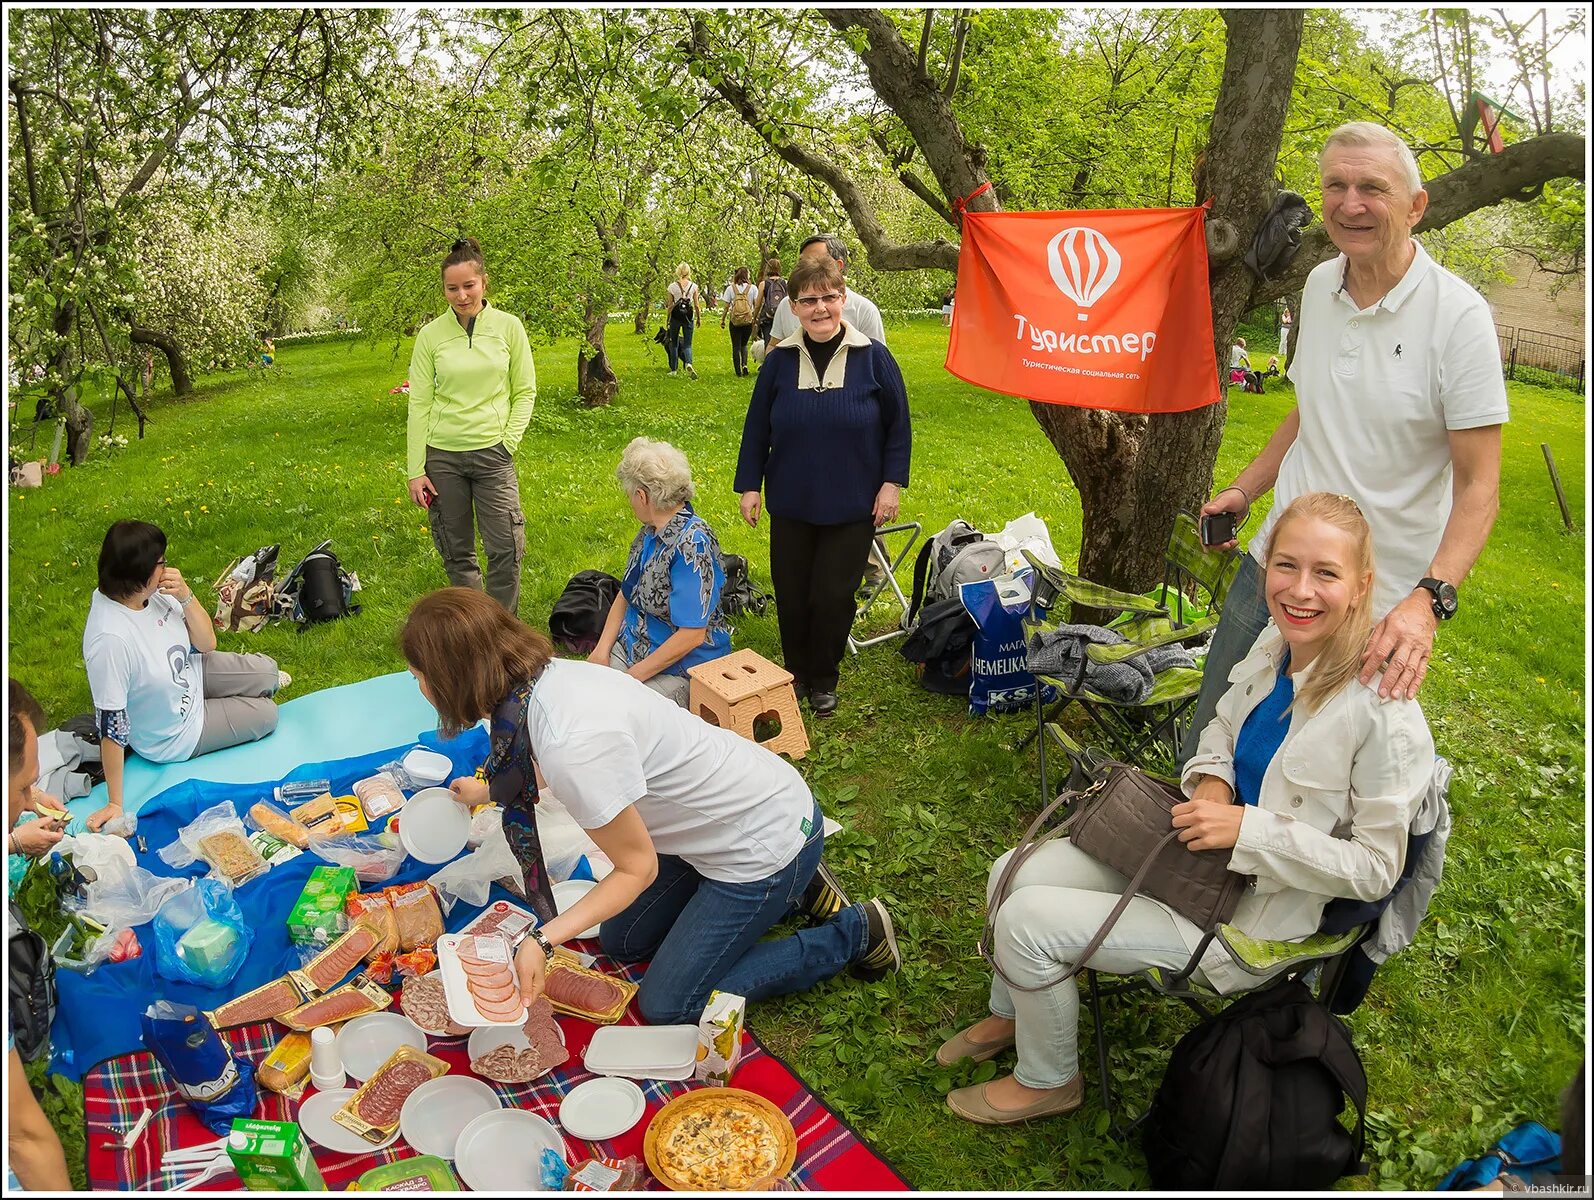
(317, 589)
(941, 647)
(1252, 1097)
(576, 622)
(740, 594)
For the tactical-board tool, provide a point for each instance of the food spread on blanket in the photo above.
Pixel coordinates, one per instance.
(281, 995)
(512, 1063)
(350, 1001)
(374, 1109)
(424, 1002)
(583, 992)
(279, 825)
(415, 909)
(720, 1140)
(229, 851)
(328, 969)
(379, 795)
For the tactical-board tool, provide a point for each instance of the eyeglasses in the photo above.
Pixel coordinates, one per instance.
(829, 300)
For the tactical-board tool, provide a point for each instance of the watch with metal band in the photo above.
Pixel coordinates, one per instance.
(1445, 602)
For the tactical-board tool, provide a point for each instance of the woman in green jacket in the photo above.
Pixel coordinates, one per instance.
(472, 387)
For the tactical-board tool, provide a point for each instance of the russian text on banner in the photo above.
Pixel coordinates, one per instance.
(1103, 308)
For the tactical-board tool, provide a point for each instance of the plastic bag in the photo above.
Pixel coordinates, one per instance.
(1028, 532)
(372, 860)
(470, 878)
(216, 1085)
(563, 841)
(482, 823)
(201, 936)
(121, 893)
(124, 826)
(216, 836)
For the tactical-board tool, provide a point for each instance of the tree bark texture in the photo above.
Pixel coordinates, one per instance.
(176, 361)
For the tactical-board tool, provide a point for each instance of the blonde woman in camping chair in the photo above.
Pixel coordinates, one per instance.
(1304, 774)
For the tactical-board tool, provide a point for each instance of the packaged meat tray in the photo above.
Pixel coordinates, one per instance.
(374, 1109)
(350, 1001)
(281, 995)
(329, 968)
(582, 992)
(479, 979)
(502, 917)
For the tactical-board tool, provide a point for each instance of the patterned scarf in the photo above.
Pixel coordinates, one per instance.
(652, 592)
(511, 775)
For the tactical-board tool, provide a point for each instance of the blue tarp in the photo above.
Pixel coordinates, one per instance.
(98, 1015)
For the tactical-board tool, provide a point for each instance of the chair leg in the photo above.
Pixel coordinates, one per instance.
(1120, 1128)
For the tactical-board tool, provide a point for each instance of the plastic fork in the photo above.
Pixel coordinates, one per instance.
(191, 1154)
(219, 1165)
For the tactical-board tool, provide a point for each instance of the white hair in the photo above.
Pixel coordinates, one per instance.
(1367, 133)
(659, 469)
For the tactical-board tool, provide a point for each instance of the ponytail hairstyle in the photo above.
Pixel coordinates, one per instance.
(1341, 657)
(466, 250)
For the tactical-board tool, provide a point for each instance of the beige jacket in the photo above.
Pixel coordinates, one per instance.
(835, 371)
(1336, 803)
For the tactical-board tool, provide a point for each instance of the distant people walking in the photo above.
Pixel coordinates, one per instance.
(686, 313)
(741, 302)
(828, 438)
(860, 313)
(771, 292)
(472, 387)
(948, 298)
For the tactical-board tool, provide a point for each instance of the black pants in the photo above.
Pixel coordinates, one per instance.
(740, 336)
(816, 570)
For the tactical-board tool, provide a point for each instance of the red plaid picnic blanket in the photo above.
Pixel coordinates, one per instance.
(830, 1154)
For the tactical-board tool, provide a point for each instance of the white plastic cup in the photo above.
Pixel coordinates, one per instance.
(326, 1064)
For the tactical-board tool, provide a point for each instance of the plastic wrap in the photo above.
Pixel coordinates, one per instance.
(201, 935)
(217, 837)
(469, 879)
(372, 861)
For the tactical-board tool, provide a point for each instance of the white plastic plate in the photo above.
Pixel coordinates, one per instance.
(500, 1151)
(315, 1118)
(438, 1111)
(565, 896)
(486, 1038)
(600, 1109)
(365, 1043)
(643, 1051)
(427, 767)
(433, 826)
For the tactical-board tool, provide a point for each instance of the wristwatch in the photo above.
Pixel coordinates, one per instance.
(541, 940)
(1445, 602)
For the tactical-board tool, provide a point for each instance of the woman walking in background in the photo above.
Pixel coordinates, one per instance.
(771, 291)
(472, 387)
(686, 312)
(741, 301)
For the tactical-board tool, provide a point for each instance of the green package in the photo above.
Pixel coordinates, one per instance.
(273, 1156)
(318, 915)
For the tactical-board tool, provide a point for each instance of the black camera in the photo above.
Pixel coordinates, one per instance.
(1217, 528)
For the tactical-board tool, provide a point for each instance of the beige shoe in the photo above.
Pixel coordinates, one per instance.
(970, 1104)
(960, 1046)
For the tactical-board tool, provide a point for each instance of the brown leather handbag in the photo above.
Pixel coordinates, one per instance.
(1125, 821)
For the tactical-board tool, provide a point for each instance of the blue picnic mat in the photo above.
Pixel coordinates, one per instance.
(98, 1014)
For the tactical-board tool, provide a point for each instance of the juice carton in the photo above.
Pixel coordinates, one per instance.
(272, 1156)
(719, 1038)
(318, 916)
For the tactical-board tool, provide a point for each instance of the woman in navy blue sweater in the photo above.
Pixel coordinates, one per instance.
(827, 439)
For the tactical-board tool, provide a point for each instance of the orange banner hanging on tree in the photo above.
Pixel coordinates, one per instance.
(1103, 308)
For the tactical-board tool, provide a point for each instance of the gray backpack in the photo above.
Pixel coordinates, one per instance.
(958, 554)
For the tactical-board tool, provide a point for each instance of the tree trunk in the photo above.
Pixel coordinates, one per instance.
(79, 420)
(176, 361)
(595, 378)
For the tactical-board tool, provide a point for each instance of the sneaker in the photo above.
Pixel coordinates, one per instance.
(690, 373)
(823, 703)
(283, 680)
(880, 953)
(823, 897)
(672, 373)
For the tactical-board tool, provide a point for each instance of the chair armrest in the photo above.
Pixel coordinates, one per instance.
(1124, 651)
(1263, 957)
(1091, 595)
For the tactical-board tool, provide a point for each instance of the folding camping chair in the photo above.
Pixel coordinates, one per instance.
(1184, 608)
(881, 555)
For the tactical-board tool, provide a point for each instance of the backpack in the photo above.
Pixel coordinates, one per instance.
(1252, 1096)
(740, 594)
(576, 621)
(1527, 1150)
(30, 988)
(741, 310)
(318, 588)
(681, 311)
(774, 293)
(958, 554)
(246, 594)
(941, 647)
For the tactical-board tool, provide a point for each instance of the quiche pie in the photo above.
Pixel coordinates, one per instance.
(723, 1139)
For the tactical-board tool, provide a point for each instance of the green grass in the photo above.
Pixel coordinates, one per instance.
(1475, 1027)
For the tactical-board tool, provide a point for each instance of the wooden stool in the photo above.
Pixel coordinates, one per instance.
(738, 689)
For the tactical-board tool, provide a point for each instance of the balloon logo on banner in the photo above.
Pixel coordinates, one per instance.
(1084, 265)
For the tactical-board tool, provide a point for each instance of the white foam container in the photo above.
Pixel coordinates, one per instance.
(427, 767)
(461, 1006)
(433, 826)
(643, 1051)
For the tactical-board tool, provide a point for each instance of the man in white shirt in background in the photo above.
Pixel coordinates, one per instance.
(1400, 404)
(858, 311)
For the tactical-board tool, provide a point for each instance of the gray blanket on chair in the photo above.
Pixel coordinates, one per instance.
(1058, 653)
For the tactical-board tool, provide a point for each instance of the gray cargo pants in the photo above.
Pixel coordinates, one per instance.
(238, 704)
(478, 489)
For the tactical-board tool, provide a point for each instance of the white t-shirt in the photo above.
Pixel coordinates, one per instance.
(1379, 389)
(733, 810)
(732, 290)
(145, 663)
(676, 291)
(1238, 357)
(858, 311)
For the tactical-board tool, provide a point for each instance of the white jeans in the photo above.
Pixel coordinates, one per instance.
(671, 687)
(1055, 904)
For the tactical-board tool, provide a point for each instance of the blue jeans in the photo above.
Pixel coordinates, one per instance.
(678, 343)
(1244, 618)
(704, 935)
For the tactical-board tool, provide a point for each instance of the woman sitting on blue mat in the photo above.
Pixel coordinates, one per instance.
(667, 616)
(161, 688)
(714, 839)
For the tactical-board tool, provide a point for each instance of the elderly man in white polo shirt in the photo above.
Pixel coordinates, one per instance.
(858, 311)
(1400, 402)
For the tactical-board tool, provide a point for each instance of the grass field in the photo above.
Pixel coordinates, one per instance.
(1477, 1026)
